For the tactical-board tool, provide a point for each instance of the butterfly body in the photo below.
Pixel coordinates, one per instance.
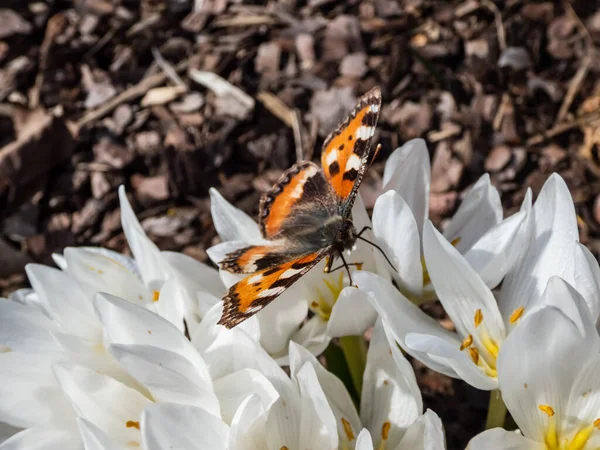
(305, 217)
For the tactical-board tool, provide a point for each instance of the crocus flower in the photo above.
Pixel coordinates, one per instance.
(548, 374)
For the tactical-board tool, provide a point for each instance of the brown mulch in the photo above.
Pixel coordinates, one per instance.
(98, 93)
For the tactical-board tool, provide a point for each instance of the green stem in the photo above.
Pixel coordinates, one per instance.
(355, 351)
(496, 411)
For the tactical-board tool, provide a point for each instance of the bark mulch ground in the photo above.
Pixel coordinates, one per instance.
(171, 97)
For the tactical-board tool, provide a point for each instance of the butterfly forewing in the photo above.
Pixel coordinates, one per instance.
(347, 151)
(253, 293)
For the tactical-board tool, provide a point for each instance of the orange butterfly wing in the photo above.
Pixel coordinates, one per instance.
(253, 293)
(347, 151)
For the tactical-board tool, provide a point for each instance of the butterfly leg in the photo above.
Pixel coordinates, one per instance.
(358, 265)
(376, 246)
(347, 267)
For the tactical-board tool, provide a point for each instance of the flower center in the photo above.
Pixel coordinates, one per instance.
(483, 349)
(327, 295)
(575, 441)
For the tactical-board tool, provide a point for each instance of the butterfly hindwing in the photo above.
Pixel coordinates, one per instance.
(253, 258)
(347, 151)
(253, 293)
(302, 190)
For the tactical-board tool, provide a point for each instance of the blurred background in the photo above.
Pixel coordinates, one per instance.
(171, 97)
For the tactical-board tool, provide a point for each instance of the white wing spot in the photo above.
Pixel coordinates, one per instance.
(331, 157)
(271, 292)
(365, 132)
(290, 273)
(353, 162)
(375, 108)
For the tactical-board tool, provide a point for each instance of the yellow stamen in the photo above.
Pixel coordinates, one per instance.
(547, 409)
(478, 318)
(466, 342)
(155, 295)
(491, 346)
(597, 423)
(283, 448)
(348, 429)
(474, 354)
(455, 241)
(132, 424)
(580, 439)
(516, 314)
(385, 430)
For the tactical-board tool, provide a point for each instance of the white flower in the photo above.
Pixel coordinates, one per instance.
(482, 324)
(489, 244)
(548, 373)
(391, 408)
(338, 309)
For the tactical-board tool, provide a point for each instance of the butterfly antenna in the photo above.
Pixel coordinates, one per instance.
(376, 246)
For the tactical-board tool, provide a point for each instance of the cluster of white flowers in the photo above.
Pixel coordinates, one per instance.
(109, 352)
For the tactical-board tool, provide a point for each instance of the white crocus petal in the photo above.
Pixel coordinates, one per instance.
(67, 304)
(247, 430)
(364, 441)
(399, 236)
(587, 279)
(93, 437)
(44, 439)
(448, 355)
(408, 172)
(480, 210)
(460, 289)
(584, 397)
(25, 328)
(497, 251)
(96, 272)
(182, 427)
(281, 318)
(550, 252)
(233, 389)
(7, 431)
(193, 277)
(168, 376)
(347, 420)
(352, 314)
(230, 222)
(312, 336)
(535, 367)
(108, 404)
(170, 303)
(500, 439)
(317, 423)
(31, 397)
(388, 399)
(426, 433)
(400, 316)
(125, 323)
(146, 253)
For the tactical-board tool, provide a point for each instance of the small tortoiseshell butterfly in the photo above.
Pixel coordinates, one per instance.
(306, 215)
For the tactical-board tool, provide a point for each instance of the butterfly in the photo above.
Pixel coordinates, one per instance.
(306, 216)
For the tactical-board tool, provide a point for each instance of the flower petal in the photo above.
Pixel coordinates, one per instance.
(364, 441)
(408, 172)
(93, 437)
(479, 211)
(125, 323)
(550, 252)
(587, 279)
(146, 253)
(497, 251)
(398, 234)
(233, 389)
(64, 300)
(247, 431)
(231, 223)
(459, 287)
(108, 404)
(182, 427)
(400, 316)
(312, 335)
(168, 376)
(31, 397)
(535, 367)
(335, 392)
(449, 355)
(44, 439)
(351, 315)
(499, 439)
(388, 394)
(427, 433)
(25, 328)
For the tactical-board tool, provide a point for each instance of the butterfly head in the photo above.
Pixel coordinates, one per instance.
(346, 235)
